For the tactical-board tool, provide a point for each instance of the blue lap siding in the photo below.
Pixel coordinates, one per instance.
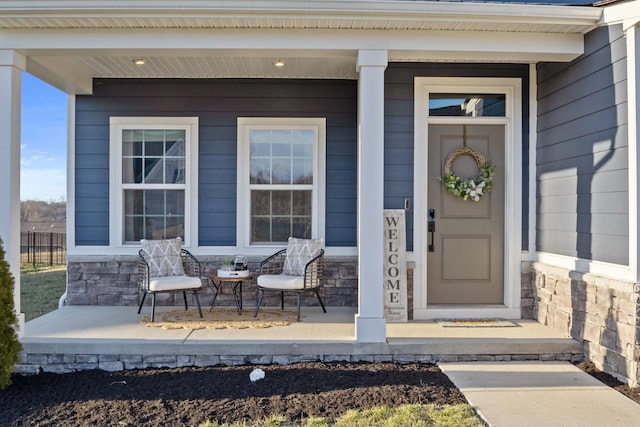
(582, 156)
(217, 103)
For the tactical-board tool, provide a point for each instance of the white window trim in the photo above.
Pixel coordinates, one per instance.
(116, 208)
(245, 124)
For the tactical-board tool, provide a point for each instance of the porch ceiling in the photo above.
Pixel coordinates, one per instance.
(68, 43)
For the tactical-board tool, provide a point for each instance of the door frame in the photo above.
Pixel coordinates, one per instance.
(512, 89)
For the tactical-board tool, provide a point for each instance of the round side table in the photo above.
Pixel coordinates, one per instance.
(236, 286)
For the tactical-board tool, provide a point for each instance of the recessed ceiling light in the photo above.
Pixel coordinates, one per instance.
(279, 63)
(138, 61)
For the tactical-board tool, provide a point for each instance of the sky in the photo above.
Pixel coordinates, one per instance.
(43, 144)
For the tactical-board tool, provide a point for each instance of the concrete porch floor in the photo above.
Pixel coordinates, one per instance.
(86, 337)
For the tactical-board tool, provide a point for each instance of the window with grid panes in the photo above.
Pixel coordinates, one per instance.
(153, 192)
(282, 177)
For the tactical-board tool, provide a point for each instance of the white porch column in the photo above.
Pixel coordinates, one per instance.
(370, 322)
(12, 64)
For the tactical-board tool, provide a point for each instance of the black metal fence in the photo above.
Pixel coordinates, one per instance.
(43, 248)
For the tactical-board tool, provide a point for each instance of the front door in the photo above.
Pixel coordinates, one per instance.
(465, 256)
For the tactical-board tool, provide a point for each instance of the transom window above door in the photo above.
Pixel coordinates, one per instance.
(467, 105)
(280, 178)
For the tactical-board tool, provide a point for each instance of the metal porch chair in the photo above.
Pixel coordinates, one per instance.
(274, 275)
(168, 268)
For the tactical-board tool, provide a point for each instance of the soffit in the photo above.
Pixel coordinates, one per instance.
(72, 67)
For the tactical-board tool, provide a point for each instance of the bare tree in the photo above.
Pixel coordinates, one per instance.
(38, 210)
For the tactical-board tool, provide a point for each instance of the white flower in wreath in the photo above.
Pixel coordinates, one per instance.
(475, 190)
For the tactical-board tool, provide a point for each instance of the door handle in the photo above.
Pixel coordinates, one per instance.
(431, 229)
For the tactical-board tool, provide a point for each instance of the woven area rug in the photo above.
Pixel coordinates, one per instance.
(220, 318)
(475, 323)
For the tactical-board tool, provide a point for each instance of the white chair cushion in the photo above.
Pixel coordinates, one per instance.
(281, 281)
(163, 257)
(299, 253)
(172, 283)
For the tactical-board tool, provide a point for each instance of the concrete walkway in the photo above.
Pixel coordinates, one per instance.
(540, 394)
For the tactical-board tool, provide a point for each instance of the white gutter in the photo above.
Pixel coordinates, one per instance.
(306, 9)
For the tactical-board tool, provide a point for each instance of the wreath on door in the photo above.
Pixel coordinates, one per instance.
(469, 188)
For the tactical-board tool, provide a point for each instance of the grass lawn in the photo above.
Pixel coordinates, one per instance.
(417, 415)
(41, 290)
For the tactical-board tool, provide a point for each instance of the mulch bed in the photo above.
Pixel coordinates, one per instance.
(191, 396)
(590, 368)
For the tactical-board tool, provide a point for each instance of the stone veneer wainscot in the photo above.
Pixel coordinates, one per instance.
(602, 312)
(114, 281)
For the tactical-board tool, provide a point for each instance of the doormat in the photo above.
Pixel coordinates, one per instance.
(220, 318)
(475, 323)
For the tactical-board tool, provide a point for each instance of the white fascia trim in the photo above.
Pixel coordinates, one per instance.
(251, 41)
(626, 13)
(302, 9)
(614, 271)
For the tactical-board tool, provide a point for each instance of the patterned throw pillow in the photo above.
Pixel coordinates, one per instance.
(163, 257)
(299, 253)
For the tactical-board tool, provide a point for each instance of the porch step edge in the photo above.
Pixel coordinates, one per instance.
(70, 356)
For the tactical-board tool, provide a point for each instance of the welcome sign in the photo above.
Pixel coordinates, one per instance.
(395, 266)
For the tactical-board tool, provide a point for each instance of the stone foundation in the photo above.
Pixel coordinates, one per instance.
(603, 312)
(115, 282)
(527, 292)
(32, 364)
